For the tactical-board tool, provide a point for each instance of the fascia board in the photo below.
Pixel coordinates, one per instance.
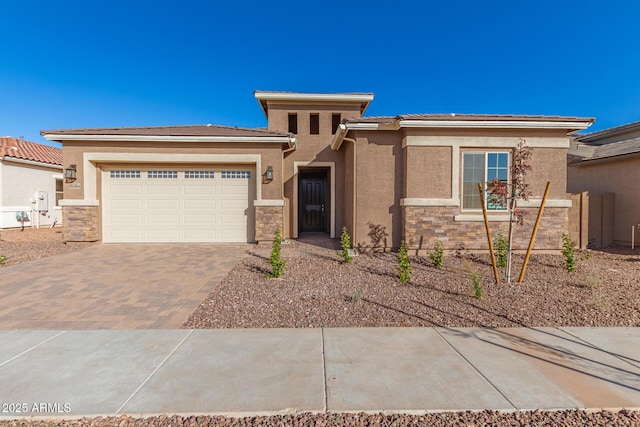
(493, 124)
(324, 97)
(148, 138)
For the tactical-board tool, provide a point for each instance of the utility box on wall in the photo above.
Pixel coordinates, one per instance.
(42, 201)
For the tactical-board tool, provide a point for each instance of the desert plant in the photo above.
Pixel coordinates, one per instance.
(501, 246)
(277, 263)
(477, 283)
(345, 243)
(404, 264)
(2, 259)
(592, 281)
(437, 256)
(568, 252)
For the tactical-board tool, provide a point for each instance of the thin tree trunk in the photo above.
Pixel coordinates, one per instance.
(511, 213)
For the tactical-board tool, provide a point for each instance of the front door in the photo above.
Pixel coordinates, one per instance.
(311, 201)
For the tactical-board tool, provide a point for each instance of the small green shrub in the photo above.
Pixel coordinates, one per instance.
(437, 256)
(345, 243)
(477, 284)
(405, 272)
(568, 252)
(501, 247)
(277, 263)
(2, 259)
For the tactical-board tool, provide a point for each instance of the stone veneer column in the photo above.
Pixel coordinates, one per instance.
(268, 219)
(423, 225)
(80, 223)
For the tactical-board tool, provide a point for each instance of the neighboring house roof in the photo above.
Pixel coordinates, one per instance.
(585, 153)
(24, 150)
(616, 132)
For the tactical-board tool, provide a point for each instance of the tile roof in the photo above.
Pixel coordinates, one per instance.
(185, 130)
(468, 117)
(613, 149)
(25, 150)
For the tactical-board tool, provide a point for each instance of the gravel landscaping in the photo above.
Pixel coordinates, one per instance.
(34, 243)
(322, 291)
(575, 418)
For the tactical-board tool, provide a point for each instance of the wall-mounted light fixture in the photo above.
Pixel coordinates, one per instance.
(268, 176)
(70, 173)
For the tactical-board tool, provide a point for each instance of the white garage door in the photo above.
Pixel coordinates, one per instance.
(175, 204)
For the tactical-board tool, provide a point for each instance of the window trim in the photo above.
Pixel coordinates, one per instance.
(462, 181)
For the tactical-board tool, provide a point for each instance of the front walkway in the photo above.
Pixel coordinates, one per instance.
(274, 371)
(114, 286)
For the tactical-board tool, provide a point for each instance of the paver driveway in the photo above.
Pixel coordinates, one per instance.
(114, 286)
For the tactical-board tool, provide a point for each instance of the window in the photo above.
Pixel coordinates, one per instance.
(124, 174)
(293, 123)
(314, 123)
(59, 191)
(335, 122)
(482, 167)
(199, 174)
(235, 174)
(162, 174)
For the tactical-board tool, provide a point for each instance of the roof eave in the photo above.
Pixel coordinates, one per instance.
(61, 137)
(264, 97)
(497, 124)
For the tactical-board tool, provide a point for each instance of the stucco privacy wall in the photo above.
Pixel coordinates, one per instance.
(313, 152)
(620, 176)
(19, 183)
(425, 205)
(83, 196)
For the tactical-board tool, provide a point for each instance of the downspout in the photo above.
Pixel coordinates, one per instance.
(355, 190)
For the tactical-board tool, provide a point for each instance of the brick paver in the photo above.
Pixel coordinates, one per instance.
(114, 286)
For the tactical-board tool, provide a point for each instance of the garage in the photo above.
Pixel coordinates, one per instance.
(177, 204)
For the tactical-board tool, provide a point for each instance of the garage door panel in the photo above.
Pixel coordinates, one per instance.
(176, 205)
(199, 204)
(126, 218)
(133, 204)
(192, 189)
(163, 204)
(125, 189)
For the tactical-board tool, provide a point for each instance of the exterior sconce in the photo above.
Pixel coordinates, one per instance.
(268, 176)
(70, 173)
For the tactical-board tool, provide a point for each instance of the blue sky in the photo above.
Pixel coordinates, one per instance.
(69, 64)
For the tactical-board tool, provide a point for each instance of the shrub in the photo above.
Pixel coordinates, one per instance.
(477, 284)
(501, 247)
(437, 256)
(404, 264)
(277, 264)
(345, 243)
(568, 252)
(2, 259)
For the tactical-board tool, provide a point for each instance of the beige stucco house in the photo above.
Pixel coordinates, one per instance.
(318, 166)
(30, 183)
(607, 163)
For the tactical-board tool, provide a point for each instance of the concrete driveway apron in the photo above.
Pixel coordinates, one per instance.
(114, 286)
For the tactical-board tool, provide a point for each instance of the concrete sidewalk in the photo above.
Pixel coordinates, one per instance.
(249, 371)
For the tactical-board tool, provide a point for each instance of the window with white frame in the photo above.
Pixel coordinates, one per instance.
(482, 167)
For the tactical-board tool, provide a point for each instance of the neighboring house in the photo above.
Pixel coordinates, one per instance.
(30, 183)
(608, 161)
(320, 165)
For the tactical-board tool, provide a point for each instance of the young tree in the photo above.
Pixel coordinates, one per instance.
(506, 195)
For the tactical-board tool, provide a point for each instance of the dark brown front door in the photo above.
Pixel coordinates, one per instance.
(311, 201)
